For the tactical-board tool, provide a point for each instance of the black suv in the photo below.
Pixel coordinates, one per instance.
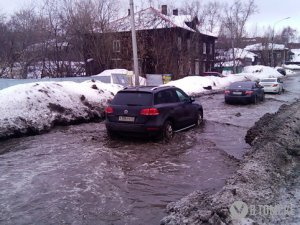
(158, 111)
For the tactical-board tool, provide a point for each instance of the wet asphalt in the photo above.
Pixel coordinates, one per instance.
(77, 175)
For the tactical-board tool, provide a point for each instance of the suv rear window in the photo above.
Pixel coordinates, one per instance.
(133, 98)
(241, 85)
(166, 96)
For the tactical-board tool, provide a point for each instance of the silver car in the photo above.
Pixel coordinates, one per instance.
(272, 85)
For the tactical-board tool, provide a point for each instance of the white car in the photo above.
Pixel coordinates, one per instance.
(272, 85)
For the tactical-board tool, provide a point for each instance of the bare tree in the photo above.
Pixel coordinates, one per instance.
(234, 21)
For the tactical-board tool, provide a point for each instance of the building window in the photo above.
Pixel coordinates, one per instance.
(179, 43)
(116, 45)
(204, 48)
(197, 67)
(190, 68)
(188, 44)
(211, 49)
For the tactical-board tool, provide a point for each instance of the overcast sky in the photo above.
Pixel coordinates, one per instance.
(270, 11)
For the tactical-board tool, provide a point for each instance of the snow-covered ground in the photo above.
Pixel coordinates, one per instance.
(36, 107)
(194, 85)
(292, 67)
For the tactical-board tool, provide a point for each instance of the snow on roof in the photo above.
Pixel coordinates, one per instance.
(113, 71)
(108, 73)
(296, 56)
(240, 54)
(151, 18)
(260, 47)
(229, 63)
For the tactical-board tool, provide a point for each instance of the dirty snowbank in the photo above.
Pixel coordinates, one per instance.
(275, 141)
(35, 107)
(292, 67)
(194, 85)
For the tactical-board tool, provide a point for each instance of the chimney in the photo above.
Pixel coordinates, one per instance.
(175, 12)
(164, 9)
(128, 12)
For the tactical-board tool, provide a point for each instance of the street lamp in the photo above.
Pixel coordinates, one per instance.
(273, 33)
(134, 45)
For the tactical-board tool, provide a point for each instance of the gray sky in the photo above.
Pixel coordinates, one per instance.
(270, 11)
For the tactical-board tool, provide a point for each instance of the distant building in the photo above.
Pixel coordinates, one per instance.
(167, 44)
(226, 60)
(264, 53)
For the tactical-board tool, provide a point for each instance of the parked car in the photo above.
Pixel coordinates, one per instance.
(216, 74)
(154, 111)
(244, 91)
(272, 85)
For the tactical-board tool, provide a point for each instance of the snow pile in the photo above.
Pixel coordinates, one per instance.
(289, 72)
(194, 85)
(258, 72)
(36, 107)
(292, 67)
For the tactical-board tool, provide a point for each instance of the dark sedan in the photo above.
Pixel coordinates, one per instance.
(244, 92)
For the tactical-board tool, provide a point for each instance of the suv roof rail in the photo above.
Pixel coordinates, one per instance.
(154, 88)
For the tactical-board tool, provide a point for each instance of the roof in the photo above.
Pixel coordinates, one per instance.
(240, 54)
(296, 55)
(151, 18)
(261, 47)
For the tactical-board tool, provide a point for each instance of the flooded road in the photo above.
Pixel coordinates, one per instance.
(76, 175)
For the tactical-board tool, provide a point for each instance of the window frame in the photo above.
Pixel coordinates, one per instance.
(204, 48)
(116, 46)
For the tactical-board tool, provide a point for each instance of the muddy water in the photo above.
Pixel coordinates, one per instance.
(76, 175)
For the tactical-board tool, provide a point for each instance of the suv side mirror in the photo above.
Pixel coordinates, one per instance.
(192, 99)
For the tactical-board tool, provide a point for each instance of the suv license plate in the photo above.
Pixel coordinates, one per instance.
(237, 93)
(126, 118)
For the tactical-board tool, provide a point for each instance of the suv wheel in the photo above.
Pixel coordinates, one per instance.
(111, 134)
(167, 132)
(199, 118)
(255, 100)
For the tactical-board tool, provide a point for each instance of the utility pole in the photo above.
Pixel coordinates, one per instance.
(273, 34)
(134, 45)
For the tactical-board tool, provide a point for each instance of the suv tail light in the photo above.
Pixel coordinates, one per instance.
(248, 92)
(226, 92)
(149, 112)
(274, 85)
(109, 110)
